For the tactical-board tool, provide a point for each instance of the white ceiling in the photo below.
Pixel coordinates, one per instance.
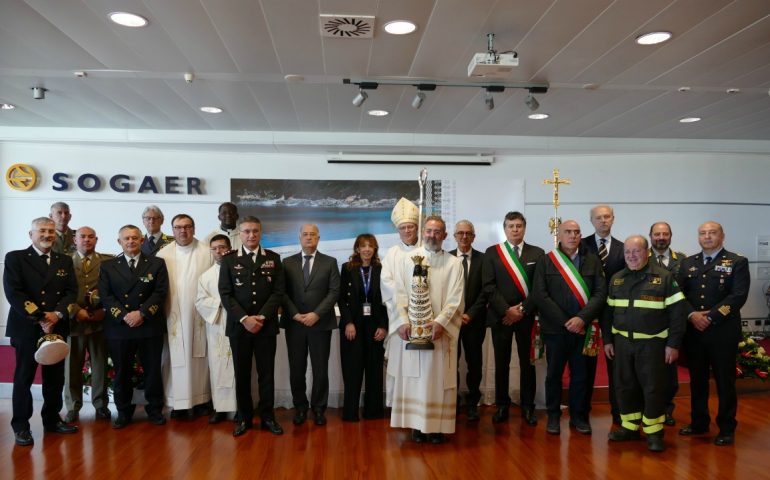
(240, 51)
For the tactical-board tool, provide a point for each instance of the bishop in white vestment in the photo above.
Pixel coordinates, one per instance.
(185, 366)
(424, 382)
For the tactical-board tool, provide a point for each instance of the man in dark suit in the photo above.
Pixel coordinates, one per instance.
(251, 286)
(473, 329)
(569, 291)
(154, 240)
(133, 287)
(39, 286)
(312, 288)
(715, 283)
(610, 251)
(87, 331)
(509, 268)
(664, 256)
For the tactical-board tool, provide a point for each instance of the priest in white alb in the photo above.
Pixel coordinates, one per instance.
(424, 382)
(185, 366)
(220, 357)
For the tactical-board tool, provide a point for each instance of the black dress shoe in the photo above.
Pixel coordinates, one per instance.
(624, 435)
(121, 422)
(103, 413)
(529, 416)
(24, 438)
(60, 427)
(202, 410)
(581, 426)
(217, 417)
(688, 430)
(655, 442)
(418, 436)
(71, 416)
(241, 428)
(181, 414)
(473, 413)
(500, 415)
(271, 426)
(299, 417)
(319, 418)
(724, 440)
(436, 438)
(157, 419)
(553, 427)
(669, 421)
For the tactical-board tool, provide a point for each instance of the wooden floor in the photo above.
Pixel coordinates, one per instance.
(373, 450)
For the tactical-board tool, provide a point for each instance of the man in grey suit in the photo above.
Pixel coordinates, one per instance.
(312, 288)
(86, 331)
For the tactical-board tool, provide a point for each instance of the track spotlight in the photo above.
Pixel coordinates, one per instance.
(489, 101)
(38, 93)
(417, 100)
(359, 99)
(532, 103)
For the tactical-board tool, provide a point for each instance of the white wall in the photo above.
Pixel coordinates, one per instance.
(684, 189)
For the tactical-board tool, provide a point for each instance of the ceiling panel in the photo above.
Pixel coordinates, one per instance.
(240, 51)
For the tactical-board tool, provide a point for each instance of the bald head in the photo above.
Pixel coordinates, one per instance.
(711, 237)
(569, 236)
(85, 240)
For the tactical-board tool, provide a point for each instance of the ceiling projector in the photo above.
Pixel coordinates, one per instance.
(490, 64)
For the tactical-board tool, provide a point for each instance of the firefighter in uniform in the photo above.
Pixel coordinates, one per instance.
(716, 284)
(643, 327)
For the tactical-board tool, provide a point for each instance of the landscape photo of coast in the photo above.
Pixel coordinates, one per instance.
(342, 209)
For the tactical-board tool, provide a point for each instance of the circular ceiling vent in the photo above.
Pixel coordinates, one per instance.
(346, 26)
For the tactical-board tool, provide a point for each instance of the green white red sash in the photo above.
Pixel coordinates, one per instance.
(514, 267)
(570, 275)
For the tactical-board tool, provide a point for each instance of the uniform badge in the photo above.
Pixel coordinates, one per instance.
(727, 262)
(238, 282)
(724, 310)
(617, 281)
(61, 272)
(723, 268)
(692, 269)
(238, 266)
(152, 309)
(30, 307)
(268, 264)
(115, 311)
(656, 280)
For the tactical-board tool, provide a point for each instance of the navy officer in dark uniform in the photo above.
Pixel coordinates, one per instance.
(40, 285)
(133, 287)
(715, 283)
(251, 284)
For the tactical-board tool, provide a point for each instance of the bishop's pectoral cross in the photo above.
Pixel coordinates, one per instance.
(555, 221)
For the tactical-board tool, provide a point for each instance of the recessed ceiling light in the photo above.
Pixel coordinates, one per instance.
(538, 116)
(128, 19)
(211, 109)
(7, 106)
(684, 89)
(294, 78)
(653, 38)
(400, 27)
(733, 90)
(689, 120)
(590, 86)
(378, 113)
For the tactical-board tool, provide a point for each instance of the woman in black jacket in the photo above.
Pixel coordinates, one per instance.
(363, 326)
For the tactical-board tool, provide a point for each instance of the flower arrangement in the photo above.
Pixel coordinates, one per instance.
(752, 360)
(137, 377)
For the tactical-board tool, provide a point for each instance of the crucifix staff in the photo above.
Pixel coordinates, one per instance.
(555, 221)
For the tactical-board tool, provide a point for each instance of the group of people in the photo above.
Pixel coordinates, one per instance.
(201, 314)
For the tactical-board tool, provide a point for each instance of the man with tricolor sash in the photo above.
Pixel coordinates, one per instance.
(569, 291)
(507, 272)
(642, 327)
